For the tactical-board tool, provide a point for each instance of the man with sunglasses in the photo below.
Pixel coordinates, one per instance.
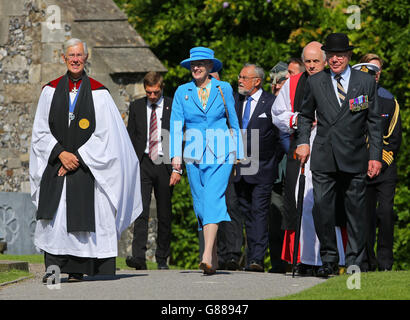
(147, 117)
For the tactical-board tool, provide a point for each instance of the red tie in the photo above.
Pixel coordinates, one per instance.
(153, 134)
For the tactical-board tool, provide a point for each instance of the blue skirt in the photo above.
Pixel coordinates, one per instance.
(208, 183)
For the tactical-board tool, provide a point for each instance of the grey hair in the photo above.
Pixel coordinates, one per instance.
(260, 73)
(303, 54)
(72, 42)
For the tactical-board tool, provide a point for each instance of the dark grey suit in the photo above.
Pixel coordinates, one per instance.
(339, 157)
(153, 176)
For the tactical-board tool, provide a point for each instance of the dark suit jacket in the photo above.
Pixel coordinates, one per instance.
(392, 135)
(271, 150)
(138, 127)
(340, 142)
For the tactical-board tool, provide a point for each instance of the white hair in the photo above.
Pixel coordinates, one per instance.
(260, 73)
(73, 42)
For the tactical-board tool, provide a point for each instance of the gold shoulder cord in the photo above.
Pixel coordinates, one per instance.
(393, 123)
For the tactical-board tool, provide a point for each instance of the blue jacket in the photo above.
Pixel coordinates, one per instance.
(206, 130)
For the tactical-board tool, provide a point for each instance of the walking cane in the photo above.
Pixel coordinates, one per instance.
(299, 210)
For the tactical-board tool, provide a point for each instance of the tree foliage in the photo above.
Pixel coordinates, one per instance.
(266, 32)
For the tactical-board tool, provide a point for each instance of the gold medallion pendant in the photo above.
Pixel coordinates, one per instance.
(84, 123)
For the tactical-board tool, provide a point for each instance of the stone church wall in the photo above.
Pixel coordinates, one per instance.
(30, 56)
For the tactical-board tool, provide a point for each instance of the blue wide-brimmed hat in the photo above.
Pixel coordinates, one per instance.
(202, 53)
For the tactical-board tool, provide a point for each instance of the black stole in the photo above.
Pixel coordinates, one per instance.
(79, 183)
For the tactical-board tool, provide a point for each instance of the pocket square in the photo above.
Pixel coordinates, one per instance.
(262, 115)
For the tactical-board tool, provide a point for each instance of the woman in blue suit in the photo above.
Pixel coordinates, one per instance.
(202, 110)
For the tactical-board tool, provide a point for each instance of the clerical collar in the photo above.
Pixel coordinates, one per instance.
(74, 84)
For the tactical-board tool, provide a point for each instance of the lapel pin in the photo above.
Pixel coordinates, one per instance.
(186, 97)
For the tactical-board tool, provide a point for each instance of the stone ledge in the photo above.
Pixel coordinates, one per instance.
(6, 265)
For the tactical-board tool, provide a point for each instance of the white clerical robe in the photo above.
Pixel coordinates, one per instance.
(110, 156)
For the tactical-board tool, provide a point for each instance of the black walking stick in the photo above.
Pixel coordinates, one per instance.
(299, 210)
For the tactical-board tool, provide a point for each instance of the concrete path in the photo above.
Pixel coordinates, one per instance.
(163, 285)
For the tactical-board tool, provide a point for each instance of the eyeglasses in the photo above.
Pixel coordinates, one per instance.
(72, 56)
(245, 77)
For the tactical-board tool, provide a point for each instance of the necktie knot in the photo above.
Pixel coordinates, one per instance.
(341, 93)
(154, 106)
(338, 77)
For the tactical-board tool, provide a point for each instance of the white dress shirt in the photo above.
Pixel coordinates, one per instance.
(282, 114)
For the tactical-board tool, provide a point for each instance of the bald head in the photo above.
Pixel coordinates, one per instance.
(313, 57)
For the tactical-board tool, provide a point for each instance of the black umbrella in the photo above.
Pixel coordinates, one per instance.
(299, 210)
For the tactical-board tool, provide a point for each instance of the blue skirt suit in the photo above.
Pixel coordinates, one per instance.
(210, 150)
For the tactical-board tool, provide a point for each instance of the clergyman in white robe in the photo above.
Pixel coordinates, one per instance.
(111, 158)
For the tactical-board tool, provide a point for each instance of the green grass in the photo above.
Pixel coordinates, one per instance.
(391, 285)
(12, 275)
(32, 258)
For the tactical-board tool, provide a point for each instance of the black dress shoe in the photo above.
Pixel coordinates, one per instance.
(162, 265)
(278, 267)
(232, 265)
(75, 277)
(221, 265)
(255, 266)
(134, 263)
(327, 269)
(46, 276)
(305, 270)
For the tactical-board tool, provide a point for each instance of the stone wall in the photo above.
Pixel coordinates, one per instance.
(30, 57)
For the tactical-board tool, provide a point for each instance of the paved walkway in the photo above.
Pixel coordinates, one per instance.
(163, 285)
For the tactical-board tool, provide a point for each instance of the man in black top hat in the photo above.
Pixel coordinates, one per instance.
(347, 111)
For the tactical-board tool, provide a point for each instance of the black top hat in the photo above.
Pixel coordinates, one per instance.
(337, 42)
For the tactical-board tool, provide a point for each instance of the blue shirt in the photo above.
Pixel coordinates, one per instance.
(344, 81)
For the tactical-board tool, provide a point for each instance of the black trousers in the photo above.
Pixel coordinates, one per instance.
(72, 264)
(353, 189)
(276, 234)
(380, 214)
(230, 233)
(155, 177)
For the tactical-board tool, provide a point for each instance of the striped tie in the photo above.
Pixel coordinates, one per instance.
(340, 91)
(153, 134)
